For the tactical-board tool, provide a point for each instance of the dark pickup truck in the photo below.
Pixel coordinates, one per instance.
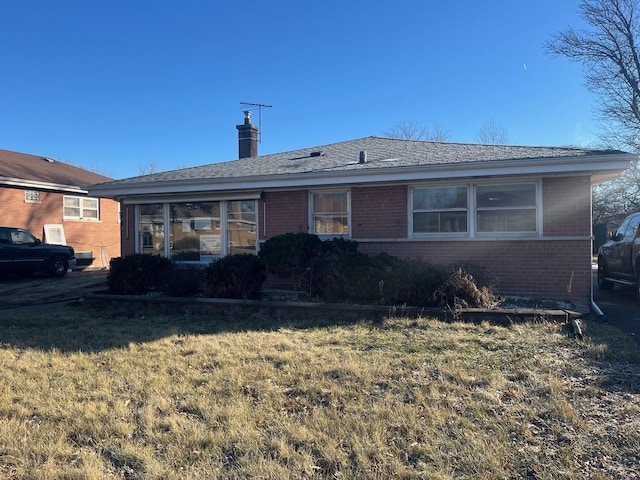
(20, 251)
(619, 257)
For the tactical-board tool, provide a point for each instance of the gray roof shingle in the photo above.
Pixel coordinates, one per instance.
(344, 156)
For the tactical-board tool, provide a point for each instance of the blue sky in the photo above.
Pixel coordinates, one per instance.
(116, 85)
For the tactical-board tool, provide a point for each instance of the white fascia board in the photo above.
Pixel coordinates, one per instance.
(32, 184)
(535, 167)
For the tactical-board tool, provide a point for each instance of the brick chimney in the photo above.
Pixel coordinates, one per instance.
(247, 137)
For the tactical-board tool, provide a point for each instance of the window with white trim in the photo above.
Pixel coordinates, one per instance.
(474, 210)
(440, 209)
(80, 208)
(506, 208)
(198, 231)
(329, 213)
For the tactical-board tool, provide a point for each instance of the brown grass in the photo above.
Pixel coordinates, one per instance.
(93, 394)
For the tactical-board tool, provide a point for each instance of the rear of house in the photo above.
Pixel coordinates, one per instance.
(50, 199)
(523, 213)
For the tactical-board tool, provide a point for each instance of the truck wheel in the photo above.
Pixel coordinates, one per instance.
(603, 283)
(59, 266)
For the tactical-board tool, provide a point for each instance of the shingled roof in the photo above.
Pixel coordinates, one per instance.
(21, 169)
(345, 160)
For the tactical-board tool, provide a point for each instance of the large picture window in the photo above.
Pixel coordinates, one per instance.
(197, 231)
(439, 209)
(330, 213)
(80, 208)
(151, 229)
(506, 208)
(241, 226)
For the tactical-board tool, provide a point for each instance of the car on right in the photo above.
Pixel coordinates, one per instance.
(619, 257)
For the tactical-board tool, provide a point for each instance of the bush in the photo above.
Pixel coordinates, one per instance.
(294, 256)
(413, 282)
(460, 289)
(185, 280)
(137, 274)
(235, 276)
(382, 278)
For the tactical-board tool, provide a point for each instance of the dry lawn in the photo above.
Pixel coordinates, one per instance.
(94, 394)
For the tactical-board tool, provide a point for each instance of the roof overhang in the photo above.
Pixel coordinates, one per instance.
(35, 185)
(599, 167)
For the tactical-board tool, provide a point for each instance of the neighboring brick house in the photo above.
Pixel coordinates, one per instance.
(37, 191)
(522, 212)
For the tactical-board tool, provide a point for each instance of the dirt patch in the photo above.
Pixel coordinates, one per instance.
(20, 291)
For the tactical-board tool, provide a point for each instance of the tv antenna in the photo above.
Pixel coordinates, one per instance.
(259, 106)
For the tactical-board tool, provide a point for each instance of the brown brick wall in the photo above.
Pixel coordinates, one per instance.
(101, 238)
(553, 269)
(286, 212)
(379, 212)
(567, 206)
(128, 230)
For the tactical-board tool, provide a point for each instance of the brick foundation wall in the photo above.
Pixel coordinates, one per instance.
(550, 269)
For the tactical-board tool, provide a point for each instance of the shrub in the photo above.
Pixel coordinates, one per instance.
(185, 280)
(459, 289)
(235, 276)
(347, 275)
(294, 256)
(137, 273)
(413, 282)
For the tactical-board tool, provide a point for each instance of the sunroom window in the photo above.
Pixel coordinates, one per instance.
(197, 231)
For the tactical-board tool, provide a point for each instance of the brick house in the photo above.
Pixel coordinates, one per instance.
(522, 212)
(50, 198)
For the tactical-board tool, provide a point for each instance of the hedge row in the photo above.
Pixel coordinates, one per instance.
(332, 271)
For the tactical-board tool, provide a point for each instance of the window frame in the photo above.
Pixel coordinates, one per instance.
(312, 214)
(223, 221)
(81, 208)
(472, 211)
(31, 196)
(412, 211)
(536, 207)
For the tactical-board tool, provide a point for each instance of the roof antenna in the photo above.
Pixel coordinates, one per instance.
(260, 106)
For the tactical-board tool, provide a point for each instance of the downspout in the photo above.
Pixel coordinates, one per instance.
(594, 306)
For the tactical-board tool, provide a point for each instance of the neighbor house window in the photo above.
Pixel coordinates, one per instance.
(506, 208)
(439, 209)
(31, 196)
(330, 213)
(80, 208)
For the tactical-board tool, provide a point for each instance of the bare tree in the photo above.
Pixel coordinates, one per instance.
(413, 130)
(492, 133)
(615, 199)
(151, 167)
(608, 52)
